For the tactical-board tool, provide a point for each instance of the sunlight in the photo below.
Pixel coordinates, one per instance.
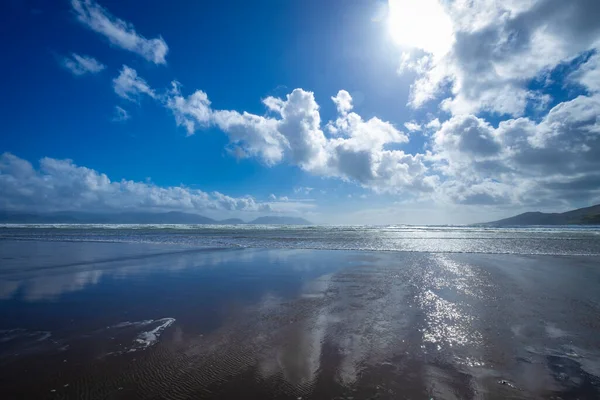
(421, 24)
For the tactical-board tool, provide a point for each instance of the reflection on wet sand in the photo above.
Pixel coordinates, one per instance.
(75, 271)
(411, 325)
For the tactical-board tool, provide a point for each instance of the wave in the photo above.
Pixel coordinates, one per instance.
(121, 338)
(146, 338)
(251, 227)
(558, 240)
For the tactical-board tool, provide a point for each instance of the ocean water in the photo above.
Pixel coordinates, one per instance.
(560, 240)
(283, 312)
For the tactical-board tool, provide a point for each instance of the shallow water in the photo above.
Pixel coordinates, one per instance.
(141, 319)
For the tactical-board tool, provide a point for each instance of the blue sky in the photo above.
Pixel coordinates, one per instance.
(226, 108)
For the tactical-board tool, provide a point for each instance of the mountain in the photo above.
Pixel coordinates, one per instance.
(280, 221)
(173, 217)
(580, 216)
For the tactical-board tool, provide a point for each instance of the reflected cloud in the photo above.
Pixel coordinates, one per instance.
(52, 269)
(50, 287)
(46, 275)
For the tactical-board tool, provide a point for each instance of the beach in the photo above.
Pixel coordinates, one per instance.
(103, 318)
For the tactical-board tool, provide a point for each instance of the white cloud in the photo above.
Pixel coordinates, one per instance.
(500, 46)
(81, 65)
(252, 135)
(120, 114)
(469, 161)
(343, 102)
(246, 203)
(192, 112)
(434, 124)
(357, 153)
(499, 49)
(272, 197)
(588, 75)
(129, 86)
(522, 161)
(119, 32)
(420, 65)
(412, 126)
(483, 192)
(294, 134)
(303, 190)
(467, 134)
(62, 185)
(300, 125)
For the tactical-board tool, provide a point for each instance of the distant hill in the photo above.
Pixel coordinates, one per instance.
(280, 221)
(173, 217)
(581, 216)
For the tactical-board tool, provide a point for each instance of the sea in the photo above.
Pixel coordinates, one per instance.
(299, 312)
(556, 240)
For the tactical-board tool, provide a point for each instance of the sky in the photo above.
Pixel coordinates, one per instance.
(342, 112)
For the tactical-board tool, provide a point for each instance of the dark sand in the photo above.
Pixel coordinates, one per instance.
(108, 321)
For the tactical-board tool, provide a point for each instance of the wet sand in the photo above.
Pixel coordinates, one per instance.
(133, 321)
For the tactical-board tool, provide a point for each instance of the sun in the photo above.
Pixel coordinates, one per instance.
(420, 24)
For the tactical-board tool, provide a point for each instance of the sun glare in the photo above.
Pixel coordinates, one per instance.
(421, 24)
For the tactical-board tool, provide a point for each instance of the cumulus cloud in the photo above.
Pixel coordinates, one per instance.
(522, 161)
(359, 153)
(300, 125)
(192, 112)
(343, 101)
(500, 51)
(467, 134)
(468, 161)
(252, 135)
(433, 124)
(130, 86)
(246, 203)
(293, 133)
(119, 33)
(412, 126)
(81, 65)
(500, 46)
(355, 151)
(62, 185)
(482, 192)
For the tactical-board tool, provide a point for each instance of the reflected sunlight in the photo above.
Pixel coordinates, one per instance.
(421, 24)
